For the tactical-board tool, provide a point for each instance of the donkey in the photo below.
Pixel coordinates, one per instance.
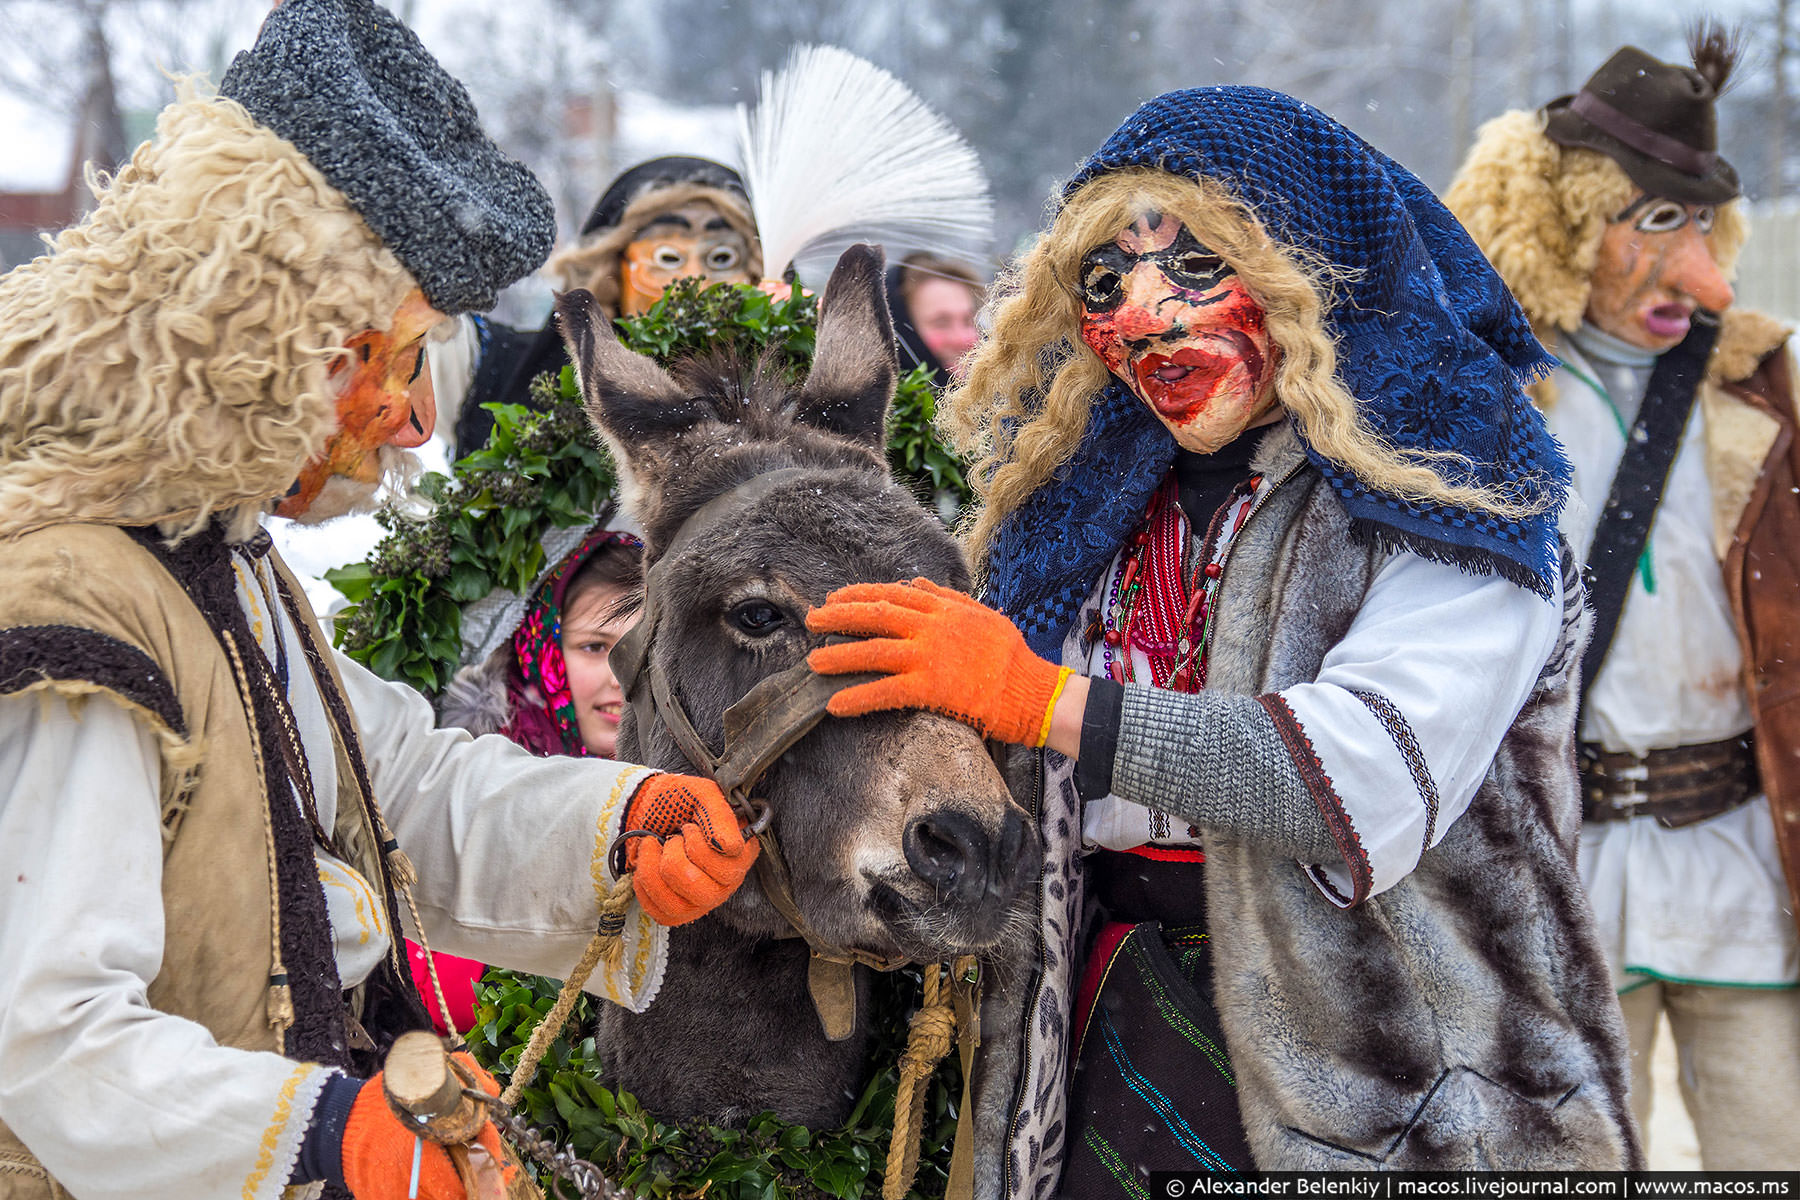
(899, 833)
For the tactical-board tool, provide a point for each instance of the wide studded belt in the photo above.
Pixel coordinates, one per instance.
(1679, 786)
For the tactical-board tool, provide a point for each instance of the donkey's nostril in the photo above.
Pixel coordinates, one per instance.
(950, 852)
(1009, 855)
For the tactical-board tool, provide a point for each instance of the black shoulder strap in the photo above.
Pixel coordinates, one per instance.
(1637, 486)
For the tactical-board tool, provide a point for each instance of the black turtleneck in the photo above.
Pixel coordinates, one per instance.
(1205, 482)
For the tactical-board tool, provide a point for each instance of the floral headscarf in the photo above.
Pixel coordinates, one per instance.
(543, 710)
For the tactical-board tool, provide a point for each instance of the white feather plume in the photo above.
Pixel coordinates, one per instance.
(838, 151)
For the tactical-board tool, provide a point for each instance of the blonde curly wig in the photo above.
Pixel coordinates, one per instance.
(1022, 410)
(593, 263)
(1538, 210)
(170, 357)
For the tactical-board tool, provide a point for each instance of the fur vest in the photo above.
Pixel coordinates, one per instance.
(248, 953)
(1462, 1019)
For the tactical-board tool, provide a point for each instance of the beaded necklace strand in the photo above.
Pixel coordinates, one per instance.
(1161, 599)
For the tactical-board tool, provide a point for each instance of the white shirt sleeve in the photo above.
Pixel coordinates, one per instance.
(510, 848)
(1409, 709)
(115, 1098)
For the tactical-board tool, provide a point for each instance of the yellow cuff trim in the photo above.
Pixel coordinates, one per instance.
(284, 1112)
(1062, 681)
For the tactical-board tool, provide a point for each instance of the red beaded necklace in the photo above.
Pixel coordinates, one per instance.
(1161, 600)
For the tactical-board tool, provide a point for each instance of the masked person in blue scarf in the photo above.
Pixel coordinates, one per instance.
(1276, 602)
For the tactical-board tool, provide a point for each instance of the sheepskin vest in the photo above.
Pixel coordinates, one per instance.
(90, 609)
(1463, 1018)
(1753, 463)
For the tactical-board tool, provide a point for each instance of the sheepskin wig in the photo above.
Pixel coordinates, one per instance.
(1024, 406)
(170, 357)
(1539, 210)
(593, 262)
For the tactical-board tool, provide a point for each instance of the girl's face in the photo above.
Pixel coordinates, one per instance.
(587, 642)
(1173, 321)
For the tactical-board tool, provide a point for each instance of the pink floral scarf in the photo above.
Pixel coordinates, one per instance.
(543, 710)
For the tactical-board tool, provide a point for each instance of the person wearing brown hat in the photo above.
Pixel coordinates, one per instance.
(1616, 222)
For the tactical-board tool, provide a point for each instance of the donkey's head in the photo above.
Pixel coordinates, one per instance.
(897, 829)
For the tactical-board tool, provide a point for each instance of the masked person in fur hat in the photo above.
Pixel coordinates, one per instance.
(208, 820)
(1269, 539)
(669, 218)
(1616, 222)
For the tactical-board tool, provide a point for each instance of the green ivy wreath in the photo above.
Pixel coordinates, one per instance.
(767, 1159)
(543, 467)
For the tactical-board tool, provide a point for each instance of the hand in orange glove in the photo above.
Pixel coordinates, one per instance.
(378, 1149)
(942, 651)
(699, 854)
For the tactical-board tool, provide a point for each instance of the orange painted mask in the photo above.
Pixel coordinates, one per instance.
(1657, 265)
(693, 239)
(385, 399)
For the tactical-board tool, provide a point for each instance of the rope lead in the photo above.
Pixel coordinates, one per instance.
(608, 945)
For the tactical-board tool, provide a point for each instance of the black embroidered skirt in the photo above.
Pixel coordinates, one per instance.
(1152, 1088)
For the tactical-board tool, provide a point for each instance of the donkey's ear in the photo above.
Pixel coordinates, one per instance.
(854, 366)
(634, 403)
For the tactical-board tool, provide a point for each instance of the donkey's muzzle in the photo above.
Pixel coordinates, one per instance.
(964, 862)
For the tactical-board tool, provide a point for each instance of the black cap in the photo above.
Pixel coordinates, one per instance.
(656, 173)
(357, 93)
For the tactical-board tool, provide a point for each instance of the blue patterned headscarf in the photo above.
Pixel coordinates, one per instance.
(1429, 342)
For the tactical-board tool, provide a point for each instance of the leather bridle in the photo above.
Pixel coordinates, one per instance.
(759, 728)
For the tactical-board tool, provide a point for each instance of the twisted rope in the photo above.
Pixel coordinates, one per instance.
(932, 1033)
(608, 944)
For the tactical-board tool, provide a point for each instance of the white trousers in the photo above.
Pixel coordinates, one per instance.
(1739, 1050)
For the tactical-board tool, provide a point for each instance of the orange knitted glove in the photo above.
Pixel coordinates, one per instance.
(699, 855)
(378, 1150)
(942, 651)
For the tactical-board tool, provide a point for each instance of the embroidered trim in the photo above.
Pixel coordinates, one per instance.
(30, 654)
(271, 1139)
(1319, 786)
(1411, 752)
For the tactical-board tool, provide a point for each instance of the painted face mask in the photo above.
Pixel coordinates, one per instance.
(385, 399)
(1167, 316)
(1656, 266)
(692, 240)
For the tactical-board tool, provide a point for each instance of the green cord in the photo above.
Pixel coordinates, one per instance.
(1646, 568)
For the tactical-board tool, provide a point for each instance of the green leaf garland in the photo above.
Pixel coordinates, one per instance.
(544, 467)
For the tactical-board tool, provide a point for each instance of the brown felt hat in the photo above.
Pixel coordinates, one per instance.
(1655, 120)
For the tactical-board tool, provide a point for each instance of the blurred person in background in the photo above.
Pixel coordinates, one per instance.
(934, 301)
(1616, 222)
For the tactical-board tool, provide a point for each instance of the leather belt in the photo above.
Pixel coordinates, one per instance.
(1679, 786)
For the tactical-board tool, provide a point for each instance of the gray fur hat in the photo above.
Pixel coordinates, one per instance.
(358, 94)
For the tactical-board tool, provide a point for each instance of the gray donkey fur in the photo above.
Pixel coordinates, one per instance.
(862, 806)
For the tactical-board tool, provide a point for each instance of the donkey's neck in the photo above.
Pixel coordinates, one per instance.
(733, 1032)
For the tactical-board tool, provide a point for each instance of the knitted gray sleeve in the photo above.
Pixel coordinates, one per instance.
(1220, 762)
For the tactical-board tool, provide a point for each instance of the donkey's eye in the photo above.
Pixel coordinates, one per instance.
(758, 618)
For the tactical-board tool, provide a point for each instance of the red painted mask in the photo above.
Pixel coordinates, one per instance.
(1167, 316)
(385, 400)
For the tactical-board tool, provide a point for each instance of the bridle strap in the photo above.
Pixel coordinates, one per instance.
(759, 728)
